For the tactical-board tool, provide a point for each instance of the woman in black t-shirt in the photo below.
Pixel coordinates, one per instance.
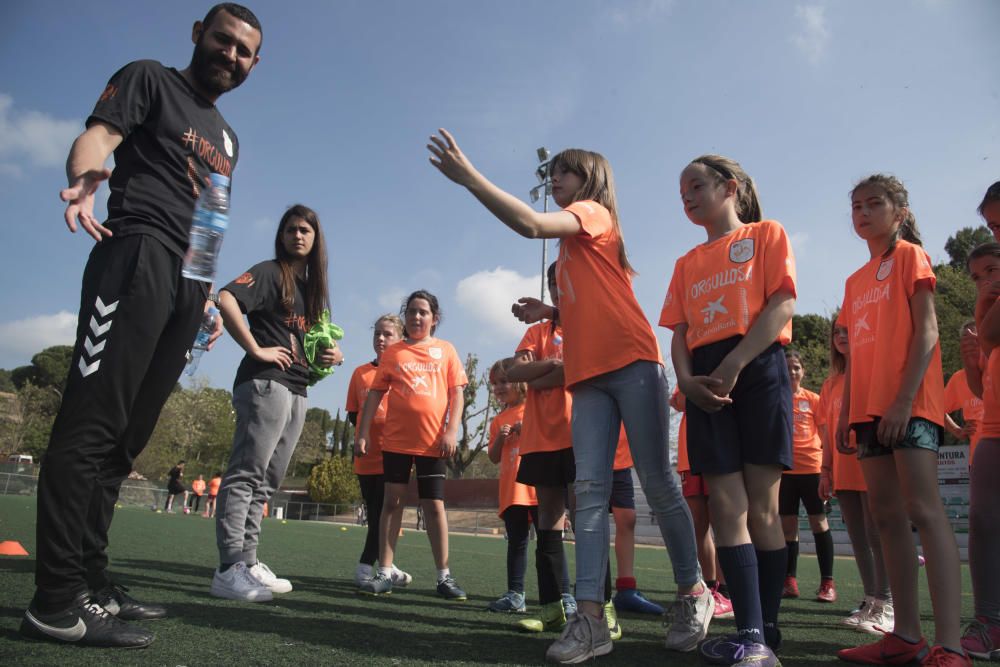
(175, 486)
(281, 298)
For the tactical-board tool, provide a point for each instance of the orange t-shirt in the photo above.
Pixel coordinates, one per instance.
(547, 412)
(418, 378)
(213, 486)
(623, 455)
(847, 475)
(958, 396)
(198, 486)
(990, 425)
(592, 286)
(876, 312)
(807, 448)
(357, 392)
(682, 440)
(511, 492)
(719, 288)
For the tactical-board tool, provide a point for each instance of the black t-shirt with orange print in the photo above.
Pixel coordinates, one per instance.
(258, 291)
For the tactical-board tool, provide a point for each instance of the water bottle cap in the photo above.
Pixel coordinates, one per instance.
(219, 180)
(212, 310)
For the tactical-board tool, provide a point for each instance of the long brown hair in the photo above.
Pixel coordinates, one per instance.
(316, 292)
(598, 186)
(896, 192)
(747, 200)
(838, 362)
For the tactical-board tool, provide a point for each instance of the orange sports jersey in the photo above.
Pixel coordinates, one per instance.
(719, 288)
(213, 486)
(357, 392)
(876, 312)
(847, 475)
(547, 412)
(623, 455)
(958, 396)
(990, 426)
(605, 327)
(418, 377)
(807, 449)
(682, 444)
(511, 492)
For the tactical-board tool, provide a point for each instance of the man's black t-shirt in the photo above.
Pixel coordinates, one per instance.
(258, 291)
(173, 139)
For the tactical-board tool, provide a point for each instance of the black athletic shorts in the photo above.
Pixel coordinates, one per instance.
(795, 488)
(622, 490)
(556, 468)
(431, 472)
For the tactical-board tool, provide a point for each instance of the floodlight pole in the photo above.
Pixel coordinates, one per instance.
(545, 185)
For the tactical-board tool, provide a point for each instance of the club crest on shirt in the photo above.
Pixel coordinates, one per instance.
(227, 143)
(435, 352)
(741, 251)
(885, 268)
(803, 406)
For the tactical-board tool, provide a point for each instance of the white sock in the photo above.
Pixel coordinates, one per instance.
(385, 571)
(443, 574)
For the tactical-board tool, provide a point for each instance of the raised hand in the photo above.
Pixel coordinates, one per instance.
(449, 159)
(80, 199)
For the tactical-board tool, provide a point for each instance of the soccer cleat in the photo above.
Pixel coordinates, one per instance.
(510, 602)
(86, 623)
(880, 619)
(630, 599)
(942, 657)
(114, 598)
(611, 618)
(890, 650)
(361, 572)
(551, 617)
(826, 592)
(791, 588)
(377, 584)
(583, 638)
(237, 583)
(859, 614)
(449, 590)
(982, 640)
(263, 574)
(688, 618)
(723, 605)
(400, 579)
(732, 650)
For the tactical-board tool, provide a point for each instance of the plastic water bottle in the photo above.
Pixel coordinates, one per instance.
(211, 218)
(201, 340)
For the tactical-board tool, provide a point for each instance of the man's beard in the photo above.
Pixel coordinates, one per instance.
(210, 78)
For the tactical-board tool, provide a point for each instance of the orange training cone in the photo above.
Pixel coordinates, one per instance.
(12, 548)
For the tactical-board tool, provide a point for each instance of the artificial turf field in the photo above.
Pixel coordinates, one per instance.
(169, 558)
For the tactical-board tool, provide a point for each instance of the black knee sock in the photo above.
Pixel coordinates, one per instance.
(549, 565)
(771, 572)
(739, 564)
(793, 558)
(607, 581)
(824, 553)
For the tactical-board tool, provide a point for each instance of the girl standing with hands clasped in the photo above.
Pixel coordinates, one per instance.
(424, 379)
(893, 401)
(282, 298)
(387, 331)
(730, 306)
(613, 369)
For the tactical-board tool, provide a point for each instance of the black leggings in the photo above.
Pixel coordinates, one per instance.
(373, 493)
(516, 519)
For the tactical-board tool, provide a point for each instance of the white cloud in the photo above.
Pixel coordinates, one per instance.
(637, 13)
(33, 137)
(814, 34)
(486, 297)
(799, 241)
(21, 339)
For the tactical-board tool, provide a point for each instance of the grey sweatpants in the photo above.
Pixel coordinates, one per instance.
(269, 419)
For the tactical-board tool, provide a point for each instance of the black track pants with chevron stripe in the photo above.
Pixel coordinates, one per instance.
(138, 318)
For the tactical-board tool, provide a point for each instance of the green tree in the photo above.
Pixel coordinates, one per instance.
(811, 337)
(473, 434)
(333, 481)
(955, 303)
(48, 369)
(961, 244)
(6, 383)
(311, 448)
(27, 420)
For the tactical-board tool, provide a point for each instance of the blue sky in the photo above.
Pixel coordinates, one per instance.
(809, 96)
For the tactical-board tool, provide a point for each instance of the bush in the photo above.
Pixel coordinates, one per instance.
(333, 481)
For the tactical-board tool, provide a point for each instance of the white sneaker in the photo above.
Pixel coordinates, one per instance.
(583, 639)
(854, 619)
(881, 619)
(237, 583)
(400, 578)
(687, 619)
(362, 573)
(263, 574)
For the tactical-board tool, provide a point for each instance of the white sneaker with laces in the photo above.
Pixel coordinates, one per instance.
(362, 572)
(861, 614)
(583, 639)
(400, 578)
(264, 575)
(237, 583)
(688, 618)
(881, 619)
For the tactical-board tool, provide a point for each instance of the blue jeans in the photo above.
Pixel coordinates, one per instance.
(638, 396)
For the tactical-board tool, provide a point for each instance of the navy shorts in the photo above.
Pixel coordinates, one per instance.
(799, 488)
(756, 427)
(555, 469)
(622, 490)
(431, 472)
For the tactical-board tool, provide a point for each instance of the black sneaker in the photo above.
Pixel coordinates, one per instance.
(117, 602)
(448, 589)
(85, 624)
